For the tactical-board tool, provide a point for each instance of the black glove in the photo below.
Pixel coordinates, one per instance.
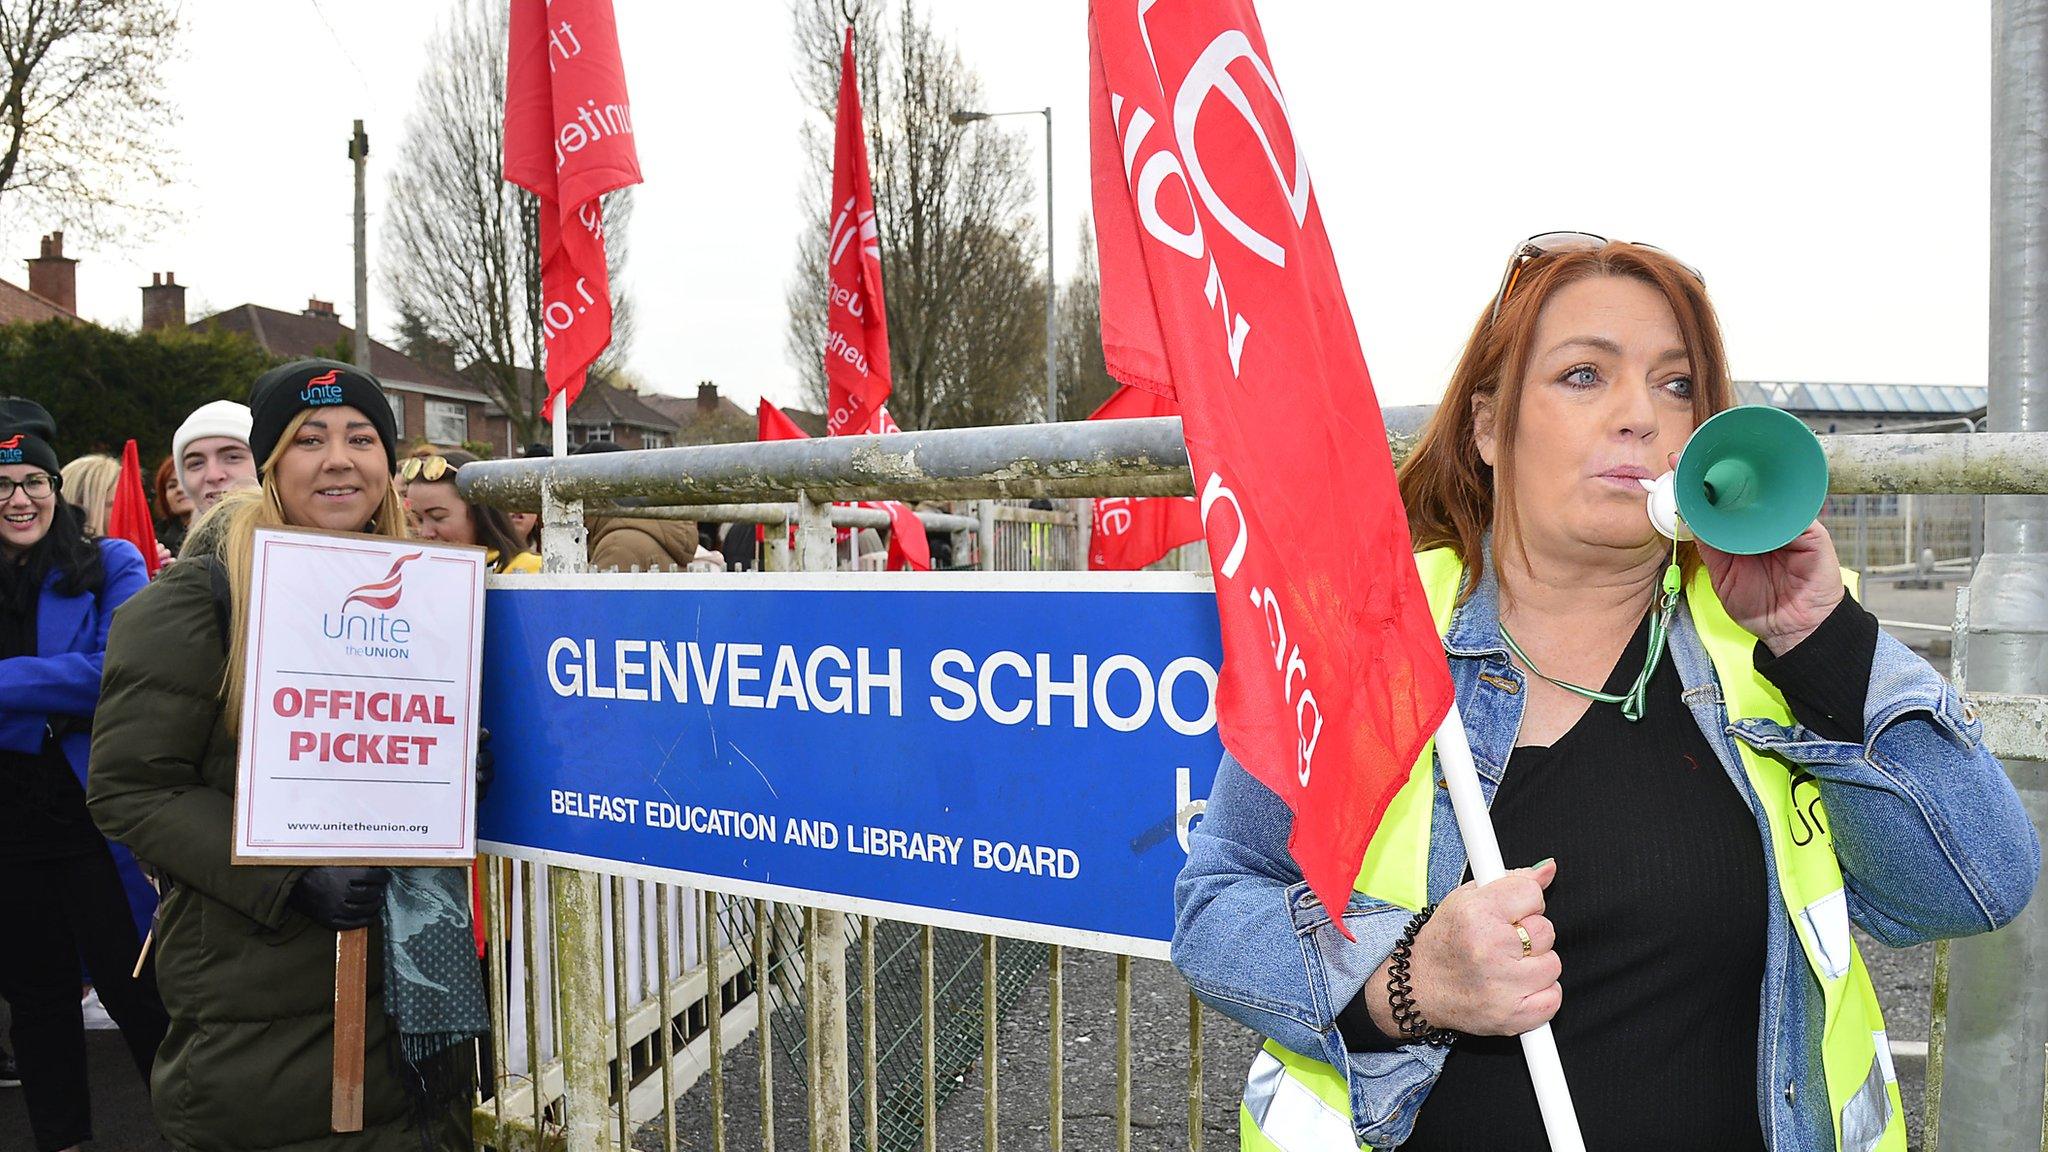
(486, 764)
(340, 898)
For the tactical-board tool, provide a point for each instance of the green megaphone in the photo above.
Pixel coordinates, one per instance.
(1750, 480)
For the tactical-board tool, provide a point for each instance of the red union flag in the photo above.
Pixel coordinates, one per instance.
(1219, 289)
(1130, 532)
(129, 518)
(909, 547)
(857, 328)
(775, 424)
(569, 140)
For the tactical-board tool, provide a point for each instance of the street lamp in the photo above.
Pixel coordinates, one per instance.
(1052, 395)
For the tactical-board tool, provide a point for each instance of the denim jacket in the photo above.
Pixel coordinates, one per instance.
(1931, 835)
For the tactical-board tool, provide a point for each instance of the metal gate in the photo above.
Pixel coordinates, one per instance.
(611, 996)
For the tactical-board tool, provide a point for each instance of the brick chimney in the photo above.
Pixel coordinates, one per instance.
(707, 398)
(53, 275)
(163, 302)
(318, 309)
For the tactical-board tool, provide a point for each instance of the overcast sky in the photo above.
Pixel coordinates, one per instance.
(1824, 165)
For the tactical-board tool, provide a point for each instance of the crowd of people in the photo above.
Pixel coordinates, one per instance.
(118, 737)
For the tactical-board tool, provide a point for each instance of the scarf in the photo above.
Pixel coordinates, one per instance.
(433, 987)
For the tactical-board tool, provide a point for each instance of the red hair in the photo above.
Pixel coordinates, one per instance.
(1453, 497)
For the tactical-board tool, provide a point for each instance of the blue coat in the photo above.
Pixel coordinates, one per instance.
(63, 680)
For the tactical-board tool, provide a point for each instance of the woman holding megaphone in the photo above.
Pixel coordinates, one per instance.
(246, 953)
(1711, 760)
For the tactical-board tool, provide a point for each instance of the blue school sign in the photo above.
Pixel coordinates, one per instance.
(968, 750)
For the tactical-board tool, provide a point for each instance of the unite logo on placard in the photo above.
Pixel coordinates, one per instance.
(383, 634)
(322, 389)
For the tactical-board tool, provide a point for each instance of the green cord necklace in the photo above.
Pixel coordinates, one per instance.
(1632, 701)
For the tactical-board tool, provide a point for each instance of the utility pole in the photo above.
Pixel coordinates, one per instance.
(359, 155)
(1052, 290)
(1998, 983)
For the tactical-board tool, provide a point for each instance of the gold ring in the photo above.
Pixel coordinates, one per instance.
(1528, 946)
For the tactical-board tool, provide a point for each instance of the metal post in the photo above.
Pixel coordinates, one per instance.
(985, 510)
(1862, 533)
(714, 1018)
(1194, 1074)
(578, 905)
(1052, 290)
(1906, 512)
(989, 1114)
(359, 156)
(928, 1015)
(1056, 1057)
(1937, 1001)
(764, 1012)
(1998, 983)
(827, 994)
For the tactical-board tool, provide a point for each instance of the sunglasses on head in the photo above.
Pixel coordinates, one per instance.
(427, 468)
(1551, 243)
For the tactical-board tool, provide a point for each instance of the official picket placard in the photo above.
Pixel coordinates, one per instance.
(993, 752)
(359, 706)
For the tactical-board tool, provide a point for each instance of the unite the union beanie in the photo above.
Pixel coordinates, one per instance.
(26, 430)
(284, 391)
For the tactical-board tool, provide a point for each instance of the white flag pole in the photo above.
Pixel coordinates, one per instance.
(1482, 848)
(561, 422)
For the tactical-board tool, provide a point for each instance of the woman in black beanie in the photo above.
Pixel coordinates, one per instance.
(245, 953)
(62, 893)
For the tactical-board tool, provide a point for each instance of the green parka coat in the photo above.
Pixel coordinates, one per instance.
(248, 981)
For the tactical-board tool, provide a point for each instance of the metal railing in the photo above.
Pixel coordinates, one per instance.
(590, 1039)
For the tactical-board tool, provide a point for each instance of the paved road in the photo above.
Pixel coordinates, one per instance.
(121, 1120)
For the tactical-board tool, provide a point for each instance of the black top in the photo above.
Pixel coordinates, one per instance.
(42, 805)
(1660, 905)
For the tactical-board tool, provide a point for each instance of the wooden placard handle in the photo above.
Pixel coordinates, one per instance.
(351, 977)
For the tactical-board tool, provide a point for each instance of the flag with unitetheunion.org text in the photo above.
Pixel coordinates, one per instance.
(569, 141)
(1219, 290)
(857, 325)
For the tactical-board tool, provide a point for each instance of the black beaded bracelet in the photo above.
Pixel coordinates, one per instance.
(1400, 994)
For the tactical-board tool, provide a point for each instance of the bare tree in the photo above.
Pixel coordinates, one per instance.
(462, 248)
(966, 301)
(83, 115)
(1084, 380)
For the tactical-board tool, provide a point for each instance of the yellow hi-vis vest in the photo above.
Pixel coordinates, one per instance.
(1293, 1103)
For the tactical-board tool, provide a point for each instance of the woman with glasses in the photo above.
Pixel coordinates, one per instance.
(438, 512)
(246, 953)
(1710, 766)
(63, 898)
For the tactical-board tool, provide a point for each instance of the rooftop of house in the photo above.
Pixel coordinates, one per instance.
(606, 404)
(20, 306)
(318, 330)
(811, 422)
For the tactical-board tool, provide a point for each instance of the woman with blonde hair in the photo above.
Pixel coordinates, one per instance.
(245, 954)
(89, 484)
